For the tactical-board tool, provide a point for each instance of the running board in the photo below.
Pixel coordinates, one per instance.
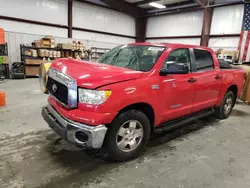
(179, 122)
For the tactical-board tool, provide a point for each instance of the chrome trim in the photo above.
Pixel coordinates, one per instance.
(96, 134)
(69, 82)
(58, 100)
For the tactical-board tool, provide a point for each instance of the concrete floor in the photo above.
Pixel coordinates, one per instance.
(208, 153)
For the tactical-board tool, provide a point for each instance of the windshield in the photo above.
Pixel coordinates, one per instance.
(139, 58)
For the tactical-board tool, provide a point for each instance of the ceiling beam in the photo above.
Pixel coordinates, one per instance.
(145, 2)
(226, 4)
(175, 11)
(124, 7)
(175, 5)
(201, 3)
(95, 4)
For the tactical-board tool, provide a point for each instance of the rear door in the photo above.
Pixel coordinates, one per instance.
(208, 80)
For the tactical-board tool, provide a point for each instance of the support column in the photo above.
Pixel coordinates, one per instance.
(206, 26)
(70, 8)
(141, 26)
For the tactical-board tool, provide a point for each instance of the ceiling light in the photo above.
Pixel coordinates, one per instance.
(157, 5)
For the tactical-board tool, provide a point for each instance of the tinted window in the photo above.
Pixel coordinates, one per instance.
(204, 60)
(176, 59)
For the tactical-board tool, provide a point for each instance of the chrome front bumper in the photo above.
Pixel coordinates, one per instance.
(74, 132)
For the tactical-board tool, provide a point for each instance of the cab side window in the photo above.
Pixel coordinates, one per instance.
(176, 59)
(203, 60)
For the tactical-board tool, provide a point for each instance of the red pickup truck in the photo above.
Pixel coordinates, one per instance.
(136, 90)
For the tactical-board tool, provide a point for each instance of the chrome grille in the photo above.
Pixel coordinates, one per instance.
(63, 88)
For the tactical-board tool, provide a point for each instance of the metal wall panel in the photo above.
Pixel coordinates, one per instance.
(105, 41)
(32, 28)
(101, 19)
(227, 20)
(229, 43)
(52, 11)
(194, 41)
(175, 25)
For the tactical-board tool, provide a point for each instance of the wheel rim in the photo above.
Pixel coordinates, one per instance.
(129, 136)
(228, 105)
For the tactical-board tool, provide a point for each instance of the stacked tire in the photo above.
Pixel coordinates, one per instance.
(43, 76)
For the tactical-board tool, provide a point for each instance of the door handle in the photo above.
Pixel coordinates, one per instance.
(218, 77)
(191, 80)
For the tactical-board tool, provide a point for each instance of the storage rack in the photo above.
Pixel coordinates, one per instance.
(96, 53)
(64, 53)
(5, 64)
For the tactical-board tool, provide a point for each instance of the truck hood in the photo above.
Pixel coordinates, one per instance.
(93, 75)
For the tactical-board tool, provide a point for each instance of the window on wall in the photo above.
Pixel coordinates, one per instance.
(177, 58)
(204, 60)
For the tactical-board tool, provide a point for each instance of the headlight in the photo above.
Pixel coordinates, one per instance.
(93, 96)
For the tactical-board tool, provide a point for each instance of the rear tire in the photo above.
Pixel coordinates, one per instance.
(225, 109)
(127, 136)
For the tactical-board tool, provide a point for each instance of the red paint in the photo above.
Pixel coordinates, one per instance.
(130, 87)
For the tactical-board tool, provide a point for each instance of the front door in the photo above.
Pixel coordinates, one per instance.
(208, 80)
(177, 90)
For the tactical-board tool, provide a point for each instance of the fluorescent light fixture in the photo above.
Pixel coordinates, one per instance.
(157, 5)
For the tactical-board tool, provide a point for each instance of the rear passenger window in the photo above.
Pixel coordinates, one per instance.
(204, 60)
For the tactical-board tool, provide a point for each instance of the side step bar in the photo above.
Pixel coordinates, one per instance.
(179, 122)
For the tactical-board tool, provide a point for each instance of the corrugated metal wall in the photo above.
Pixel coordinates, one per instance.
(182, 24)
(226, 20)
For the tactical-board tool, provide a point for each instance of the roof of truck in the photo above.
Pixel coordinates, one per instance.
(163, 44)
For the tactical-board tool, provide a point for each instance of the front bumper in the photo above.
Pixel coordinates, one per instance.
(74, 132)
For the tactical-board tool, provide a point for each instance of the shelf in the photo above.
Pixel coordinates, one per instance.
(100, 48)
(33, 47)
(32, 65)
(98, 52)
(31, 57)
(44, 48)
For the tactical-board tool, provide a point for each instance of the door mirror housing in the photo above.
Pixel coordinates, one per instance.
(175, 68)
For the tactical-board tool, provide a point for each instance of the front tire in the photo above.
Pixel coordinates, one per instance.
(226, 107)
(127, 136)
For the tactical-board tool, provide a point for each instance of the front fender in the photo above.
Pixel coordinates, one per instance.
(129, 93)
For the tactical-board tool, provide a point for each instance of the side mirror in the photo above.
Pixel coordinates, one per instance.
(163, 72)
(175, 68)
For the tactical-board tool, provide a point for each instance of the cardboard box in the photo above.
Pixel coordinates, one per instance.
(37, 43)
(4, 60)
(33, 61)
(32, 70)
(66, 46)
(33, 53)
(245, 96)
(27, 52)
(41, 52)
(246, 90)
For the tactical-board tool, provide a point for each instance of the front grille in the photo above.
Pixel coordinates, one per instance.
(58, 90)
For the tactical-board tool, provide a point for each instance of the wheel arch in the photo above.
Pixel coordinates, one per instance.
(144, 107)
(234, 89)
